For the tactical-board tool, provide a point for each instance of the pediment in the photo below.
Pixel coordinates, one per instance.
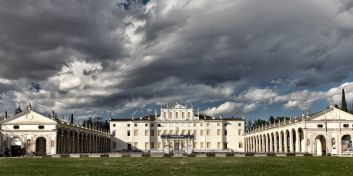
(28, 117)
(332, 114)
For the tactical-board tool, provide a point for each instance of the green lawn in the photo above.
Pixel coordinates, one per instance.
(178, 166)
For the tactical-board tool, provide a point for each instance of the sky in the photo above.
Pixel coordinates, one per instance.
(122, 57)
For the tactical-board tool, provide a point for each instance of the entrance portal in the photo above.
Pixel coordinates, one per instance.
(41, 146)
(346, 144)
(176, 145)
(320, 145)
(16, 147)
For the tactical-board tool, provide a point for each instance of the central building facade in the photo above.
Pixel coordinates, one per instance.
(178, 129)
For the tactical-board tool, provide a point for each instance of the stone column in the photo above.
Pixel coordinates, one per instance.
(267, 142)
(62, 143)
(77, 143)
(248, 147)
(73, 143)
(261, 143)
(246, 144)
(252, 144)
(280, 142)
(285, 142)
(256, 144)
(297, 142)
(275, 143)
(305, 138)
(271, 143)
(291, 147)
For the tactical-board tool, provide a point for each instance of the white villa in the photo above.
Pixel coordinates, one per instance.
(326, 132)
(30, 132)
(178, 129)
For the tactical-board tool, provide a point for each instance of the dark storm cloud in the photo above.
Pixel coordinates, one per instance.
(133, 51)
(257, 45)
(345, 5)
(38, 37)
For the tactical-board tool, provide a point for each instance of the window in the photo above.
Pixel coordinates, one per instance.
(16, 127)
(201, 145)
(208, 132)
(345, 125)
(158, 132)
(146, 145)
(201, 133)
(146, 124)
(135, 124)
(225, 132)
(177, 115)
(159, 125)
(225, 145)
(128, 132)
(219, 144)
(128, 125)
(183, 115)
(40, 127)
(189, 114)
(114, 125)
(114, 133)
(152, 145)
(208, 124)
(225, 124)
(136, 132)
(201, 124)
(239, 124)
(218, 124)
(152, 132)
(208, 144)
(218, 133)
(240, 145)
(146, 132)
(320, 125)
(239, 132)
(194, 124)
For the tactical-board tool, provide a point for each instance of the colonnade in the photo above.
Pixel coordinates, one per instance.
(72, 141)
(281, 141)
(2, 143)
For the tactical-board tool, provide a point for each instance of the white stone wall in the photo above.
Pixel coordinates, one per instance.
(318, 134)
(214, 140)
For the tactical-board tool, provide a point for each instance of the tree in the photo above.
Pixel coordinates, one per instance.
(271, 119)
(248, 125)
(344, 103)
(72, 118)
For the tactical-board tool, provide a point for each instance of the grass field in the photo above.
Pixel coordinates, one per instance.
(178, 166)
